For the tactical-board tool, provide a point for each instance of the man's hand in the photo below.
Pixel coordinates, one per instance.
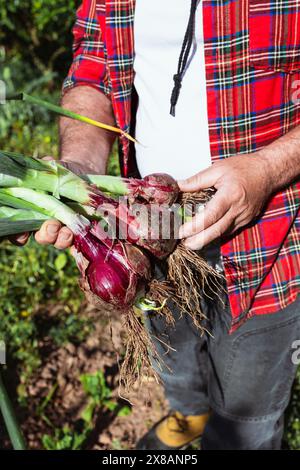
(243, 185)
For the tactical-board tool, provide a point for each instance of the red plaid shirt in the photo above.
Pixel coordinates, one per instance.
(252, 54)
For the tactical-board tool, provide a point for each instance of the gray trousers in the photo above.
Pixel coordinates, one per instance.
(244, 378)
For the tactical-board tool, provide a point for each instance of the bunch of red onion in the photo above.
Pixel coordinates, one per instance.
(113, 245)
(119, 233)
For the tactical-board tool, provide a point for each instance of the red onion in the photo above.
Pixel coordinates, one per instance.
(112, 271)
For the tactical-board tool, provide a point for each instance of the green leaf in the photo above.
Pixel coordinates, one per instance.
(12, 425)
(13, 214)
(66, 112)
(110, 405)
(8, 166)
(95, 386)
(30, 163)
(88, 412)
(61, 261)
(124, 411)
(8, 227)
(48, 442)
(12, 201)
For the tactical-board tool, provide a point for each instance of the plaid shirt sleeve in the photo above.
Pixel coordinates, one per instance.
(89, 62)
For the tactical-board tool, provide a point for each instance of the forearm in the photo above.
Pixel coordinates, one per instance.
(282, 159)
(83, 143)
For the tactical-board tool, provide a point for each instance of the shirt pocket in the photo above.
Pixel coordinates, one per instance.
(274, 35)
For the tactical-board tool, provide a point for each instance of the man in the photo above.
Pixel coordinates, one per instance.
(230, 70)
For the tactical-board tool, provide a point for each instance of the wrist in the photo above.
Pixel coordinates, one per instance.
(79, 167)
(269, 167)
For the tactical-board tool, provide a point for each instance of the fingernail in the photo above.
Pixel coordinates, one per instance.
(52, 229)
(23, 236)
(181, 233)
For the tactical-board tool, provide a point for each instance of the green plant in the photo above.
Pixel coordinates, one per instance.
(292, 421)
(35, 54)
(33, 277)
(70, 328)
(39, 31)
(100, 396)
(117, 445)
(10, 419)
(65, 439)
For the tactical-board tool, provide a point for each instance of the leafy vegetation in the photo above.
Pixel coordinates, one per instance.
(39, 33)
(65, 439)
(32, 279)
(292, 428)
(99, 395)
(99, 399)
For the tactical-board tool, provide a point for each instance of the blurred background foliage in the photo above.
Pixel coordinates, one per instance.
(35, 53)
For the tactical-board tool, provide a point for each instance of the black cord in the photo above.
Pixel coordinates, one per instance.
(184, 56)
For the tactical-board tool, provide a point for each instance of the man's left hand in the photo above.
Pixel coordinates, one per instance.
(243, 185)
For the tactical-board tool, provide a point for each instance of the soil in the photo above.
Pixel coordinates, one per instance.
(60, 373)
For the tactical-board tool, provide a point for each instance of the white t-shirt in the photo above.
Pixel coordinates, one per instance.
(176, 145)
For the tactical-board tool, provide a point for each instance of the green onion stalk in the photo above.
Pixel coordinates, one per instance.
(26, 183)
(28, 172)
(67, 113)
(158, 188)
(15, 221)
(10, 420)
(51, 177)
